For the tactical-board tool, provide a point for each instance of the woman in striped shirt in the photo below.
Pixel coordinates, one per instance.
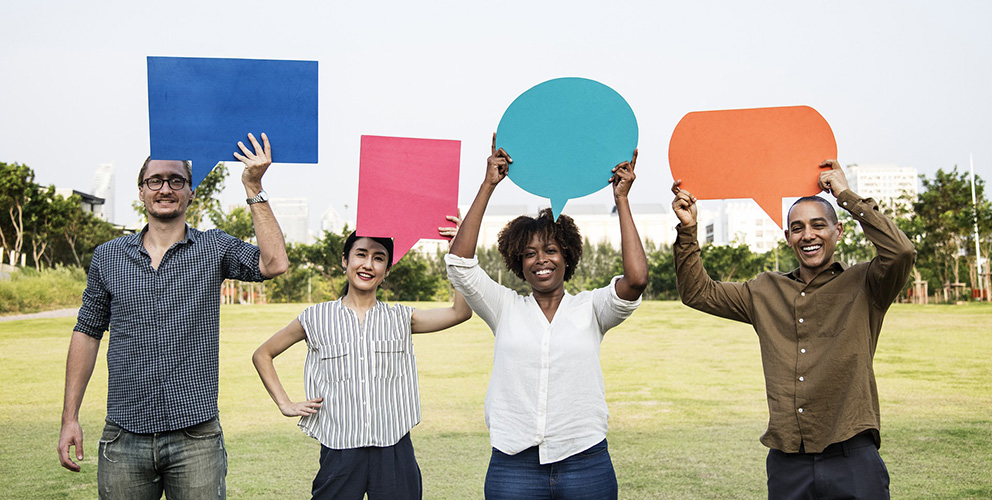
(360, 377)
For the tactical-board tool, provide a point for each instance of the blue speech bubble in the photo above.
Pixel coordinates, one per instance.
(199, 108)
(565, 136)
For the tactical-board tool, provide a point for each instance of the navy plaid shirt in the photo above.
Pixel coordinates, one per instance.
(164, 325)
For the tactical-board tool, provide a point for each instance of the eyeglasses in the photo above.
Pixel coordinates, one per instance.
(156, 183)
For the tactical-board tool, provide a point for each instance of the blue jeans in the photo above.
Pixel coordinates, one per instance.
(188, 463)
(587, 475)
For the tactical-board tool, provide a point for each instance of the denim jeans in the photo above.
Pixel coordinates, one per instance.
(587, 475)
(189, 463)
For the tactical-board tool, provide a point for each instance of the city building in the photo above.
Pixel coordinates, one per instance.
(887, 183)
(104, 187)
(293, 215)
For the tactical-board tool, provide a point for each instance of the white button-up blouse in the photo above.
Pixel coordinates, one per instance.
(546, 388)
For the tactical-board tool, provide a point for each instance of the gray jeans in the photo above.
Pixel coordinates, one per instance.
(189, 463)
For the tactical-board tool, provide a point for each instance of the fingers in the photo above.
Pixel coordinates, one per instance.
(267, 147)
(494, 144)
(633, 160)
(831, 164)
(64, 457)
(244, 149)
(675, 186)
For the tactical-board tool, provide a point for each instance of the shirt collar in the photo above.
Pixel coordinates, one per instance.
(837, 267)
(136, 238)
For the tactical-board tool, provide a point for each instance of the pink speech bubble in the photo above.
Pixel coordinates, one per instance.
(764, 153)
(406, 187)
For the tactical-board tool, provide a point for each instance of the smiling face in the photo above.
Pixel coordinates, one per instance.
(543, 265)
(165, 204)
(813, 236)
(366, 265)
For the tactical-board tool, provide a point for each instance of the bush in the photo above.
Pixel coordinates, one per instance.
(30, 291)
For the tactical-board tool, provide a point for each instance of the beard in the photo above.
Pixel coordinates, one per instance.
(152, 212)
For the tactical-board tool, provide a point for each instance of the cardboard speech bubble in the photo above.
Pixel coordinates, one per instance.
(406, 187)
(565, 136)
(763, 153)
(199, 108)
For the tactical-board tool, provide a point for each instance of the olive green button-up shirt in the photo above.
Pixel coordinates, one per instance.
(817, 339)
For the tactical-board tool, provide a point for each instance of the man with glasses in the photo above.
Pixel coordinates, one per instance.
(158, 291)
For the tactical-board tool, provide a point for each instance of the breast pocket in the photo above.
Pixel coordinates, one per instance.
(334, 361)
(832, 310)
(390, 358)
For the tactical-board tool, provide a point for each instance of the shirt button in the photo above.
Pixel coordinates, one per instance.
(802, 293)
(845, 203)
(801, 379)
(803, 350)
(801, 320)
(862, 214)
(800, 410)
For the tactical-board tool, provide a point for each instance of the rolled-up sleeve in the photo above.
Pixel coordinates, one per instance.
(611, 310)
(484, 296)
(94, 314)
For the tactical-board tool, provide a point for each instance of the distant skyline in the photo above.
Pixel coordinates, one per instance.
(899, 82)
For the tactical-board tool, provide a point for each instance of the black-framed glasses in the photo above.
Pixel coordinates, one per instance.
(156, 183)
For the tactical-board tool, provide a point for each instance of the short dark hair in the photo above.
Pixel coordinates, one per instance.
(516, 235)
(186, 164)
(831, 213)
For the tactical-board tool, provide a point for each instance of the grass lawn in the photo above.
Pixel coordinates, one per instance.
(685, 391)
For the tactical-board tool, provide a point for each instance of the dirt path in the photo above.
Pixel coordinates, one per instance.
(57, 313)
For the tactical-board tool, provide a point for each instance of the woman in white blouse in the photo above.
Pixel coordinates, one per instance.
(546, 404)
(360, 376)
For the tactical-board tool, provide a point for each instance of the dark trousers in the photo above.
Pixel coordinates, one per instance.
(388, 473)
(850, 469)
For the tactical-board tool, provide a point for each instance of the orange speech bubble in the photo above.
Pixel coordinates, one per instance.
(764, 153)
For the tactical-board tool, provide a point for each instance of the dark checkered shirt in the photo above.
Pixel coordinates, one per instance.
(164, 325)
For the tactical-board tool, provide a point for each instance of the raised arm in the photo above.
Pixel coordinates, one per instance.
(78, 369)
(497, 166)
(896, 255)
(273, 260)
(262, 359)
(635, 263)
(432, 320)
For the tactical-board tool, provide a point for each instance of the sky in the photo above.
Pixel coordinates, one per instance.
(899, 82)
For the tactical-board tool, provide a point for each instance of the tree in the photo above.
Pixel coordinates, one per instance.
(237, 222)
(410, 279)
(942, 225)
(16, 183)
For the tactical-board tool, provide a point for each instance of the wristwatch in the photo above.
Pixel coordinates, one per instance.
(258, 198)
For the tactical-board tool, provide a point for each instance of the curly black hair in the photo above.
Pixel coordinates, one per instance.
(516, 235)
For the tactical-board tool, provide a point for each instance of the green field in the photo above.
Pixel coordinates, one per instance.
(685, 393)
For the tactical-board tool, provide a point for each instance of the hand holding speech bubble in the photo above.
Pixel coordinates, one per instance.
(565, 136)
(406, 188)
(199, 108)
(763, 153)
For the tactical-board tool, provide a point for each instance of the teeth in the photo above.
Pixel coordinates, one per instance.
(543, 272)
(811, 248)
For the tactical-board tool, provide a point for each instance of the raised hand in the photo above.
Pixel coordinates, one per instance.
(256, 161)
(684, 204)
(497, 165)
(623, 177)
(832, 181)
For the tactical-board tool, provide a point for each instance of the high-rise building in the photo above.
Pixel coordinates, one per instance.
(104, 187)
(889, 184)
(293, 215)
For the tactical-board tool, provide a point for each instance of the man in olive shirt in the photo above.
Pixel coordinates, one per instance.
(818, 328)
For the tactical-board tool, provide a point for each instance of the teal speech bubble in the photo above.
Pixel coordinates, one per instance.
(565, 136)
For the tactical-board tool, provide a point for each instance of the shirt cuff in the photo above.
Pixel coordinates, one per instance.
(627, 304)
